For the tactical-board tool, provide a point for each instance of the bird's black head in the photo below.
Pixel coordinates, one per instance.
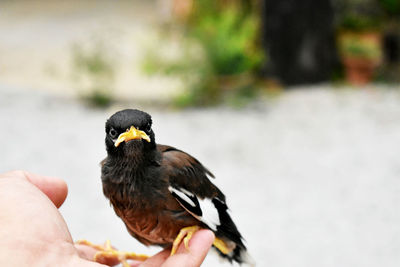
(129, 132)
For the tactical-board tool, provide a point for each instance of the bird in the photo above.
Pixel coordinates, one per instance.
(163, 194)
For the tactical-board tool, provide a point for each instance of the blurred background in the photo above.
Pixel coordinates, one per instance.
(293, 105)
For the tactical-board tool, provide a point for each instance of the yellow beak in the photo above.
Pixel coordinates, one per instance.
(131, 134)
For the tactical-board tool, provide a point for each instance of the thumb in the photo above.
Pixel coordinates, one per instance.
(54, 188)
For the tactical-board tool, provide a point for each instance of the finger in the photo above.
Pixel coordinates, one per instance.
(88, 252)
(30, 210)
(199, 246)
(54, 188)
(156, 260)
(85, 252)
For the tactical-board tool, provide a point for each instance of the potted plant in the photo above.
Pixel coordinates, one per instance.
(359, 39)
(361, 54)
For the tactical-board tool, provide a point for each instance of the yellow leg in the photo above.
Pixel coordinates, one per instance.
(107, 252)
(185, 234)
(90, 244)
(222, 246)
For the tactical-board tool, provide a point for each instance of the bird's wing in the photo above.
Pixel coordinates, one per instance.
(187, 172)
(207, 210)
(191, 187)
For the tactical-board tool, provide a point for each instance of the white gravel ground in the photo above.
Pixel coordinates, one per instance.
(312, 177)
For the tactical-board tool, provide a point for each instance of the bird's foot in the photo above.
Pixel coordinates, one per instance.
(185, 234)
(222, 246)
(108, 253)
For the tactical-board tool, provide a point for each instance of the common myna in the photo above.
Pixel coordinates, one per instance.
(163, 194)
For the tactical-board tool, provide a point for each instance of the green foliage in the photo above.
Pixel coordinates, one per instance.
(99, 97)
(358, 15)
(358, 49)
(229, 41)
(362, 46)
(392, 7)
(220, 44)
(93, 71)
(359, 23)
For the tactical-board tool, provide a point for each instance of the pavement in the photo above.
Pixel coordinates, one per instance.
(312, 176)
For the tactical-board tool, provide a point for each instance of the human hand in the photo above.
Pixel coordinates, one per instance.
(32, 231)
(32, 228)
(199, 245)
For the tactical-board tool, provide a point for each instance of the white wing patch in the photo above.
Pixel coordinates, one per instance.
(210, 213)
(183, 194)
(203, 209)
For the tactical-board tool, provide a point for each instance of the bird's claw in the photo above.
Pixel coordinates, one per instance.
(185, 234)
(107, 252)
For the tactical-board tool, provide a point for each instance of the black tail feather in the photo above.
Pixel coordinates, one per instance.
(228, 232)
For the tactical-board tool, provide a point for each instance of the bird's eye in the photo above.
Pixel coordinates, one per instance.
(148, 127)
(113, 133)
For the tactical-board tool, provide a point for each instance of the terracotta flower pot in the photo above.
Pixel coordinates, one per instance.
(359, 71)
